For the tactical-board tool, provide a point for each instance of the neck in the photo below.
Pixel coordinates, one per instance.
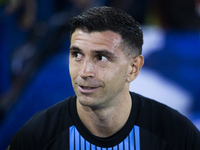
(104, 122)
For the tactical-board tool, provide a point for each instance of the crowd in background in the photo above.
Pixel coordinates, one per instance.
(34, 41)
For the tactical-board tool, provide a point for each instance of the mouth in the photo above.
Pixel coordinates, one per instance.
(87, 89)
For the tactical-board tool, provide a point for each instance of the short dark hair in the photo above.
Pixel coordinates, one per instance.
(108, 18)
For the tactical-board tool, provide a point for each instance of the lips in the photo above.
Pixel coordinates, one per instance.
(87, 89)
(87, 86)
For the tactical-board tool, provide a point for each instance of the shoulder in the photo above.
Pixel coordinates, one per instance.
(44, 125)
(153, 110)
(58, 112)
(165, 122)
(156, 110)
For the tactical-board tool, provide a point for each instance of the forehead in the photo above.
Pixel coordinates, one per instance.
(104, 40)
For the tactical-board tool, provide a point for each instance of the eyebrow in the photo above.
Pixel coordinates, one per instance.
(74, 48)
(103, 52)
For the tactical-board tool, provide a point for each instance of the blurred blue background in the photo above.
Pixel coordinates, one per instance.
(34, 42)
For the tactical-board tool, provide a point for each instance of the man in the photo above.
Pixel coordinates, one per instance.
(105, 56)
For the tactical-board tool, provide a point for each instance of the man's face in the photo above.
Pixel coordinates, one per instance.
(98, 68)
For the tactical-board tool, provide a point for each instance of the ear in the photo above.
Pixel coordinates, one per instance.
(136, 64)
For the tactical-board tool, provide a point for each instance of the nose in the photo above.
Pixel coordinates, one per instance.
(87, 69)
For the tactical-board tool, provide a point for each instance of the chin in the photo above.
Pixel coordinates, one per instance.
(88, 101)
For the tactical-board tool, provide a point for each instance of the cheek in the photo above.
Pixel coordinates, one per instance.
(120, 76)
(73, 70)
(103, 74)
(113, 76)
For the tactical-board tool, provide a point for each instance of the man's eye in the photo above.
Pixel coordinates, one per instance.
(101, 58)
(77, 55)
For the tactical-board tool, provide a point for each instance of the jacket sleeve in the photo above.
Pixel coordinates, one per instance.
(27, 138)
(22, 141)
